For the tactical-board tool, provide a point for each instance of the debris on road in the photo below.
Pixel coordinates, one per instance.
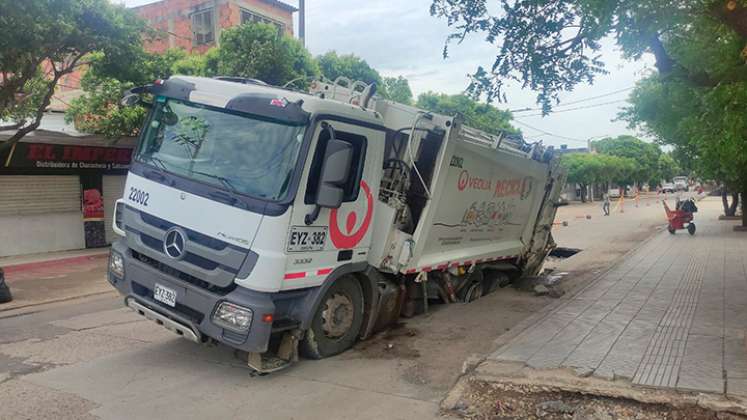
(541, 290)
(483, 400)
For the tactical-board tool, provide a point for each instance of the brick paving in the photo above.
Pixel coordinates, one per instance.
(672, 314)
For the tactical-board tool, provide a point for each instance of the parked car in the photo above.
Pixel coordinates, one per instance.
(613, 193)
(668, 187)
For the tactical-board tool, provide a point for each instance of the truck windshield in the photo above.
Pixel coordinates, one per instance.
(241, 153)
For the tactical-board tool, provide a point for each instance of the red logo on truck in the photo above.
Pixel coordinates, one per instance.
(351, 239)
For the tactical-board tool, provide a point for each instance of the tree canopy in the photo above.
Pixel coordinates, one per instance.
(334, 65)
(253, 51)
(478, 115)
(259, 51)
(552, 46)
(398, 90)
(645, 155)
(592, 168)
(48, 40)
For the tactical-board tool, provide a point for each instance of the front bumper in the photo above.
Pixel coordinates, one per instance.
(194, 304)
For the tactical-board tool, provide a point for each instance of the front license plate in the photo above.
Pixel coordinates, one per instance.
(164, 295)
(307, 238)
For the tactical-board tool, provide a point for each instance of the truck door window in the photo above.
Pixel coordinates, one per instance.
(359, 155)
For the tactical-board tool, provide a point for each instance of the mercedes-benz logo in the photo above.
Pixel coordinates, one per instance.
(173, 243)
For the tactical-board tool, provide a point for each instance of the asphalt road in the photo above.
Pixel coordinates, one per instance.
(92, 358)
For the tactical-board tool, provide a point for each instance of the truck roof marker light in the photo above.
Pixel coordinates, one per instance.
(279, 102)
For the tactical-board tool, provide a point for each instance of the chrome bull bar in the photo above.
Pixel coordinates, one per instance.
(168, 323)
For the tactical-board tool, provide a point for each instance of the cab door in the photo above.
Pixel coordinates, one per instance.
(337, 236)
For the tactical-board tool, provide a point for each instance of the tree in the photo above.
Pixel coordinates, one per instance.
(587, 169)
(350, 66)
(398, 90)
(47, 40)
(258, 51)
(667, 168)
(254, 50)
(706, 126)
(478, 115)
(98, 110)
(551, 46)
(646, 155)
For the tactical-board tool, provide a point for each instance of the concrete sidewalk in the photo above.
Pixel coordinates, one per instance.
(672, 315)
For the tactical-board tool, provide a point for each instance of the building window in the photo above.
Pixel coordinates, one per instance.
(203, 27)
(251, 17)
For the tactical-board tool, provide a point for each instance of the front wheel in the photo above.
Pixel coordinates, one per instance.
(337, 321)
(671, 229)
(691, 228)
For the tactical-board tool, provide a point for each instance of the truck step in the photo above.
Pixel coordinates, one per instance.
(263, 363)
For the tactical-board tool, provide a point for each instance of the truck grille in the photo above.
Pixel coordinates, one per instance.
(206, 259)
(182, 275)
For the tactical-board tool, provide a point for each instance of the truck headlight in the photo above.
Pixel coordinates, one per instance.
(233, 317)
(116, 265)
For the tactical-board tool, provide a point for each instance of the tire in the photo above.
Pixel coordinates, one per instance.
(671, 229)
(691, 228)
(326, 339)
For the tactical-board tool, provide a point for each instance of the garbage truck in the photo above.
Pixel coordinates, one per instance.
(280, 222)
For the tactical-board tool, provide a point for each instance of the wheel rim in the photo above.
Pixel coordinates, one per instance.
(337, 317)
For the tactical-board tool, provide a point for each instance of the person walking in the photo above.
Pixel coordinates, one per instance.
(606, 204)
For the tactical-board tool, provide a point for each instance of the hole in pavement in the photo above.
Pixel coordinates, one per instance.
(563, 252)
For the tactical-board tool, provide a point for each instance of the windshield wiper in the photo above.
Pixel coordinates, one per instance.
(158, 161)
(226, 182)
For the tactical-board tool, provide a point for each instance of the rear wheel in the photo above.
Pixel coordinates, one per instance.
(337, 321)
(691, 228)
(671, 229)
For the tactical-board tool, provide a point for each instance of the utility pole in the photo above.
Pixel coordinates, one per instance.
(302, 21)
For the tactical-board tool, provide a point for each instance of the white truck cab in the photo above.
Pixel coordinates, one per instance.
(252, 213)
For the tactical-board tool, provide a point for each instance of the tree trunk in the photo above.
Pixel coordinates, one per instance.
(583, 193)
(725, 200)
(734, 203)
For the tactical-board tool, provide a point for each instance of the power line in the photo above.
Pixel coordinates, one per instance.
(591, 98)
(574, 109)
(549, 133)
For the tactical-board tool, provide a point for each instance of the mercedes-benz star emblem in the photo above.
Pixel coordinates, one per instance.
(173, 243)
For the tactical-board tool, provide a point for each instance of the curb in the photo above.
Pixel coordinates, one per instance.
(18, 268)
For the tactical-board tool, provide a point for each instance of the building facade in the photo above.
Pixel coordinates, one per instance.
(195, 25)
(58, 188)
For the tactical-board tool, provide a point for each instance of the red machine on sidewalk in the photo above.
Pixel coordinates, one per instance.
(683, 215)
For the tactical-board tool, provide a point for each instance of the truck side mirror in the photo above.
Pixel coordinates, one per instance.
(134, 97)
(129, 100)
(335, 173)
(338, 158)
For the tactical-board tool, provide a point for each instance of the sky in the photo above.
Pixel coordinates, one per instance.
(402, 38)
